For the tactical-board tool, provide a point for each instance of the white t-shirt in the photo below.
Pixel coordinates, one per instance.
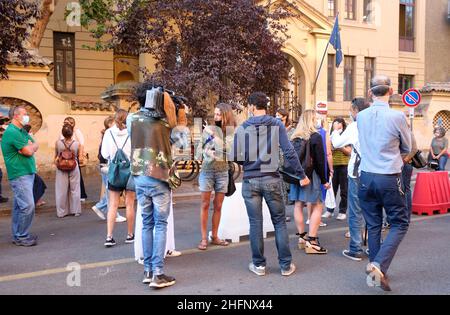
(109, 148)
(348, 137)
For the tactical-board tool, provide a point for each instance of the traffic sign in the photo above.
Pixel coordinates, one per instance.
(322, 108)
(411, 98)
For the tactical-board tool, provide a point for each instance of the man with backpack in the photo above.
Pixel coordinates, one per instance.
(256, 147)
(151, 167)
(18, 152)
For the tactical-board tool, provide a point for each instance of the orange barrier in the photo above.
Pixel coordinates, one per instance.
(431, 193)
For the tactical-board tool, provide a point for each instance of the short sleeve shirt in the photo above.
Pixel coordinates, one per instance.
(15, 139)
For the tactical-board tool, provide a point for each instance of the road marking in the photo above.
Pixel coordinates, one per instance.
(47, 272)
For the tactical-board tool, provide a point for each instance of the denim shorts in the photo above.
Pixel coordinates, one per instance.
(213, 181)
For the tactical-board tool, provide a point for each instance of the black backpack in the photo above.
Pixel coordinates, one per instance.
(303, 149)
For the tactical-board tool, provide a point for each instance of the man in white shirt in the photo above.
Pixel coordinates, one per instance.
(341, 139)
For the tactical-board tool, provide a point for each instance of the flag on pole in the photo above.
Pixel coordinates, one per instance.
(335, 41)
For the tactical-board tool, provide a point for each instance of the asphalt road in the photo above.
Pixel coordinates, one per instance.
(420, 267)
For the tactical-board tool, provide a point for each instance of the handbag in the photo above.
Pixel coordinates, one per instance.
(418, 160)
(330, 200)
(231, 185)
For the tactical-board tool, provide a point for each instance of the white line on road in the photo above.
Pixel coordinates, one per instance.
(47, 272)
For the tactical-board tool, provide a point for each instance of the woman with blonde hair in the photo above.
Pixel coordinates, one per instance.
(216, 142)
(117, 137)
(308, 145)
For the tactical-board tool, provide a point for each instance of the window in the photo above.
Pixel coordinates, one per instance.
(64, 60)
(405, 82)
(349, 78)
(332, 7)
(331, 77)
(407, 25)
(350, 9)
(369, 72)
(368, 11)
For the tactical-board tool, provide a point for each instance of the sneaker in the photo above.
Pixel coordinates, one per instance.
(376, 278)
(110, 242)
(140, 261)
(260, 271)
(322, 224)
(347, 234)
(173, 253)
(341, 217)
(148, 275)
(327, 215)
(100, 214)
(120, 219)
(352, 256)
(3, 199)
(129, 239)
(367, 251)
(27, 242)
(307, 222)
(77, 214)
(288, 218)
(161, 281)
(288, 272)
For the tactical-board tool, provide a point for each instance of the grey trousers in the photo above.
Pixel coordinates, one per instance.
(67, 192)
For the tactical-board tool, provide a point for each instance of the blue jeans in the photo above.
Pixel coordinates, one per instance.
(102, 205)
(442, 162)
(154, 199)
(23, 206)
(406, 180)
(375, 192)
(355, 217)
(269, 188)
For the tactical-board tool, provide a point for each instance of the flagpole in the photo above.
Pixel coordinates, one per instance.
(320, 68)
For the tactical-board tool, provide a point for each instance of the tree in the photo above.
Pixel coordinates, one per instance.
(17, 18)
(215, 48)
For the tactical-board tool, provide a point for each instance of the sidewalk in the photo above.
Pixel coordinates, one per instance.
(93, 185)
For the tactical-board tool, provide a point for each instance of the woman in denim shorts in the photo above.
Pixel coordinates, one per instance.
(216, 142)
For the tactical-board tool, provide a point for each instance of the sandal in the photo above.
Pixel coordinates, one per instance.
(203, 245)
(219, 242)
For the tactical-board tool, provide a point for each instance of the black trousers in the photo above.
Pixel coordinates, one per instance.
(340, 180)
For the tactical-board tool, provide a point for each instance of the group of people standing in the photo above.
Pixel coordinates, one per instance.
(368, 160)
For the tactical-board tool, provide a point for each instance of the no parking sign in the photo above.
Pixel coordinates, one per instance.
(411, 98)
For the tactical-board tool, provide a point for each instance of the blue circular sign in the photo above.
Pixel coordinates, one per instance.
(412, 98)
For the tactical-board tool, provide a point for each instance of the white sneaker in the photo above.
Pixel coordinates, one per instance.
(98, 213)
(347, 234)
(173, 253)
(322, 224)
(307, 222)
(341, 217)
(120, 219)
(260, 271)
(327, 215)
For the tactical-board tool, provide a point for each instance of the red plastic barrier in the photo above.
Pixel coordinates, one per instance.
(431, 193)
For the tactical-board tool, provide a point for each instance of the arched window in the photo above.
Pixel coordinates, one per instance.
(442, 118)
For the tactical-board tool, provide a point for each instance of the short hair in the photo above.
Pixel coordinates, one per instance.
(67, 131)
(71, 120)
(380, 85)
(259, 99)
(360, 104)
(285, 113)
(15, 111)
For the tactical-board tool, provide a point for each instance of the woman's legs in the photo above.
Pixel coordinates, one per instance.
(314, 221)
(298, 217)
(130, 197)
(112, 211)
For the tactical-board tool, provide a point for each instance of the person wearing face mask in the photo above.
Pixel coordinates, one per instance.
(341, 139)
(18, 152)
(384, 136)
(438, 148)
(213, 176)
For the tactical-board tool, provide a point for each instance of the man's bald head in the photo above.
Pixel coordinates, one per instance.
(380, 85)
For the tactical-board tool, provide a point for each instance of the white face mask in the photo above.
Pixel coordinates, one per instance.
(250, 112)
(318, 123)
(25, 120)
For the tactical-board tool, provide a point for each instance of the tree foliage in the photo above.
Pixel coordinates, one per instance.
(17, 18)
(203, 49)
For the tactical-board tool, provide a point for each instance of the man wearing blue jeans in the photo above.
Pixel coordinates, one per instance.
(18, 152)
(151, 161)
(355, 218)
(256, 147)
(383, 135)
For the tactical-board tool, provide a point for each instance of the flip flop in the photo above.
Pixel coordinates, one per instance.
(203, 245)
(219, 242)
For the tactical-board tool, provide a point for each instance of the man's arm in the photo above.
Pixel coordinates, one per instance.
(289, 152)
(344, 139)
(405, 135)
(30, 149)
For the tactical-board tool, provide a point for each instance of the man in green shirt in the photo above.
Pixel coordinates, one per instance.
(18, 152)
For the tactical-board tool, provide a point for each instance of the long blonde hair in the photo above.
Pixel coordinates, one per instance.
(306, 125)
